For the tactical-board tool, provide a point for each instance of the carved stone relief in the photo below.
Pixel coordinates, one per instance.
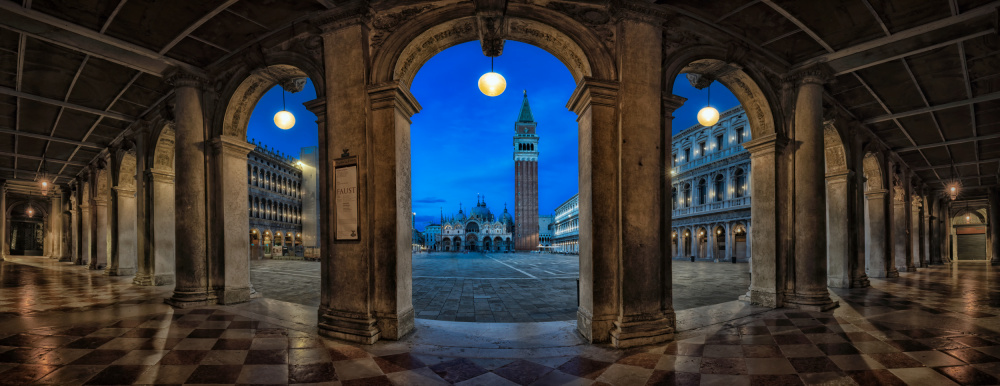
(126, 175)
(873, 172)
(595, 18)
(836, 159)
(163, 153)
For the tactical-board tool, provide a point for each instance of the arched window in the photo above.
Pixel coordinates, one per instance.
(741, 183)
(472, 227)
(673, 198)
(686, 198)
(702, 192)
(720, 188)
(250, 205)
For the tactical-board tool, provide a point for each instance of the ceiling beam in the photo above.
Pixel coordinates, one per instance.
(103, 113)
(51, 138)
(197, 24)
(943, 106)
(802, 26)
(952, 142)
(78, 38)
(974, 22)
(31, 157)
(970, 163)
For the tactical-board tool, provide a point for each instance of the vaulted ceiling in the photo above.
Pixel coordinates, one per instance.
(924, 75)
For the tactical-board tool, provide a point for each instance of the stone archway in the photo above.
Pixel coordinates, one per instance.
(124, 232)
(158, 265)
(768, 206)
(876, 223)
(839, 246)
(23, 231)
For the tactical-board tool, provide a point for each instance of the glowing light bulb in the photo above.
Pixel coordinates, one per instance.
(492, 84)
(708, 116)
(284, 120)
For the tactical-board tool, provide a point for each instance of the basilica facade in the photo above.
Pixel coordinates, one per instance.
(711, 192)
(480, 231)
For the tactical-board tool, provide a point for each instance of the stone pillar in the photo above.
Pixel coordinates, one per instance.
(992, 218)
(809, 291)
(143, 255)
(769, 262)
(162, 220)
(839, 228)
(877, 264)
(86, 226)
(915, 238)
(66, 254)
(55, 224)
(347, 309)
(190, 199)
(74, 214)
(230, 269)
(946, 232)
(937, 239)
(392, 107)
(101, 232)
(900, 232)
(730, 242)
(124, 258)
(4, 232)
(926, 225)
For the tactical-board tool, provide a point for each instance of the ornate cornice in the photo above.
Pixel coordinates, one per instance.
(354, 13)
(178, 77)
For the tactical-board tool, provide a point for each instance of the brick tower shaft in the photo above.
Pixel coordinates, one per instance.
(525, 180)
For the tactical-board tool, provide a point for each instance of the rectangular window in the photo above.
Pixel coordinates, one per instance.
(718, 142)
(739, 135)
(701, 148)
(687, 155)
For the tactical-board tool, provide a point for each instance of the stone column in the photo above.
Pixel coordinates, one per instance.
(937, 239)
(190, 199)
(162, 220)
(55, 224)
(946, 232)
(86, 226)
(900, 232)
(101, 232)
(392, 107)
(925, 231)
(768, 270)
(66, 255)
(810, 290)
(124, 260)
(230, 269)
(915, 236)
(994, 216)
(74, 214)
(143, 255)
(347, 309)
(877, 265)
(4, 247)
(839, 228)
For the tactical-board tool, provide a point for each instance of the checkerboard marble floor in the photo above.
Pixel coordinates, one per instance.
(938, 326)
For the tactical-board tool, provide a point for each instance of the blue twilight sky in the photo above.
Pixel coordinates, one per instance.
(462, 140)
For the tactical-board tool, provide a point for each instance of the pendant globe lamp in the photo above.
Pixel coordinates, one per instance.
(491, 83)
(284, 119)
(44, 181)
(708, 115)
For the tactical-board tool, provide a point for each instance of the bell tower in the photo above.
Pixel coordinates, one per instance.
(525, 180)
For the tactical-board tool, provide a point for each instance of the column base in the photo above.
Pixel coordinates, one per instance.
(892, 274)
(396, 326)
(146, 279)
(352, 328)
(923, 264)
(812, 302)
(861, 282)
(911, 268)
(595, 331)
(187, 299)
(761, 298)
(234, 295)
(651, 329)
(119, 272)
(143, 279)
(66, 259)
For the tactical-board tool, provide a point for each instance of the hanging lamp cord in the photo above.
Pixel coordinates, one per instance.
(282, 96)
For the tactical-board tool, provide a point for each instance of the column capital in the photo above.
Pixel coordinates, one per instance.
(813, 75)
(876, 193)
(158, 175)
(671, 103)
(317, 106)
(638, 11)
(593, 91)
(391, 94)
(232, 146)
(178, 77)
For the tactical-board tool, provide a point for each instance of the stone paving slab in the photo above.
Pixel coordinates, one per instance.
(503, 288)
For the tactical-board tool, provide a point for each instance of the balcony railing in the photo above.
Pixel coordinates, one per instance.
(733, 203)
(683, 166)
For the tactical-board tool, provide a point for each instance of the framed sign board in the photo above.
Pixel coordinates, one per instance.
(346, 198)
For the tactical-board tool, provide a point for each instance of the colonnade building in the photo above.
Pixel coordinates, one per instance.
(872, 136)
(711, 192)
(566, 235)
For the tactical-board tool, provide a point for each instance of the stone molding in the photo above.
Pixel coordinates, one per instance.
(392, 95)
(317, 106)
(765, 145)
(343, 16)
(642, 12)
(157, 175)
(592, 91)
(232, 147)
(178, 77)
(671, 103)
(598, 19)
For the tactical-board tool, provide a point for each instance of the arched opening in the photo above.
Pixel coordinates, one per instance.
(158, 265)
(740, 250)
(25, 222)
(256, 249)
(719, 244)
(969, 227)
(840, 245)
(687, 243)
(876, 224)
(702, 243)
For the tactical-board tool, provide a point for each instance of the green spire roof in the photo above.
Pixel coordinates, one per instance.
(525, 115)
